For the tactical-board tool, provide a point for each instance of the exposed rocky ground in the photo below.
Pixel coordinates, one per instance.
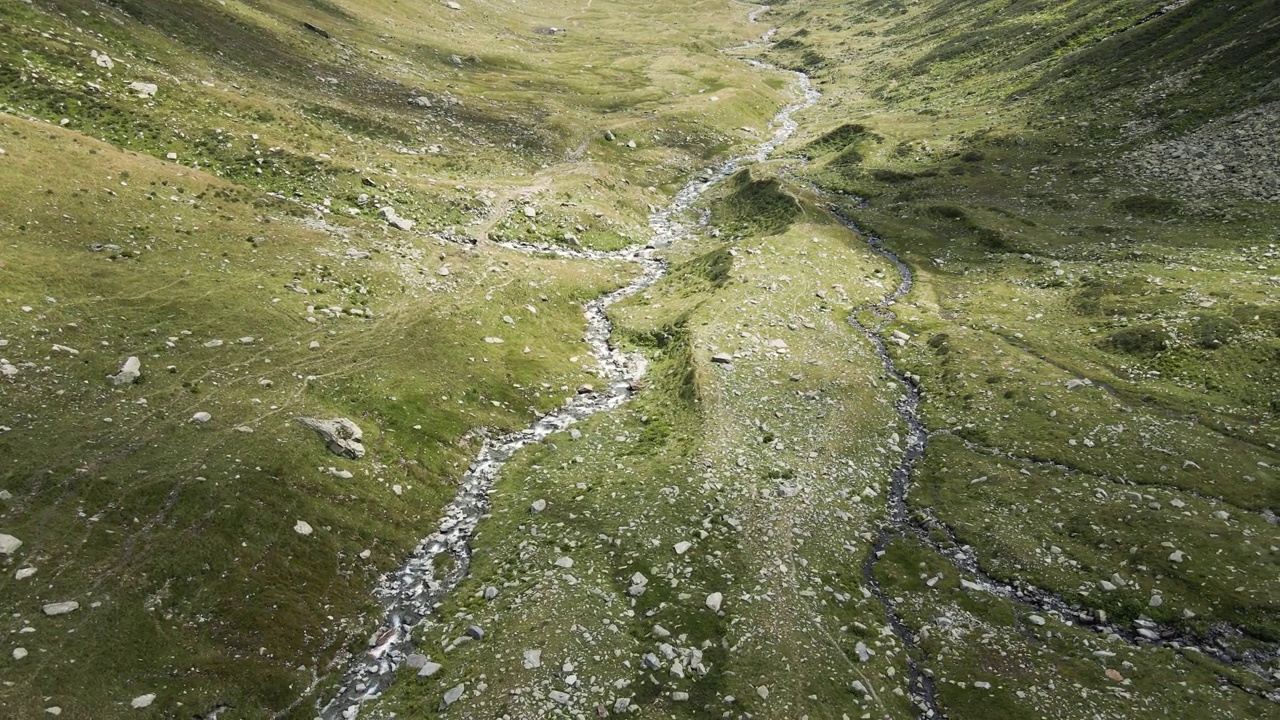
(1236, 157)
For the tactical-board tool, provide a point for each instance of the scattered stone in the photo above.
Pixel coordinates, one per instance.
(24, 573)
(490, 592)
(60, 608)
(538, 506)
(559, 696)
(144, 89)
(19, 653)
(722, 358)
(1035, 619)
(302, 527)
(143, 701)
(388, 213)
(129, 373)
(475, 632)
(9, 544)
(682, 547)
(564, 562)
(1177, 556)
(714, 600)
(342, 436)
(763, 692)
(453, 695)
(201, 417)
(428, 669)
(453, 5)
(532, 659)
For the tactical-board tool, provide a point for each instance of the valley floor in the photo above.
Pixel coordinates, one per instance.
(955, 396)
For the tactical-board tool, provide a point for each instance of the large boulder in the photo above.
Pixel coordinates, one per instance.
(129, 373)
(340, 434)
(9, 544)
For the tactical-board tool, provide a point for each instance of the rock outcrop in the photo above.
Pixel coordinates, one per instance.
(340, 434)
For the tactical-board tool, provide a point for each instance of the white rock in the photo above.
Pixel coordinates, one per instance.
(9, 544)
(143, 701)
(129, 372)
(103, 60)
(1177, 556)
(24, 573)
(532, 659)
(428, 669)
(714, 600)
(763, 692)
(54, 710)
(302, 527)
(538, 506)
(564, 562)
(682, 547)
(19, 653)
(453, 5)
(559, 696)
(201, 417)
(1035, 620)
(60, 608)
(144, 89)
